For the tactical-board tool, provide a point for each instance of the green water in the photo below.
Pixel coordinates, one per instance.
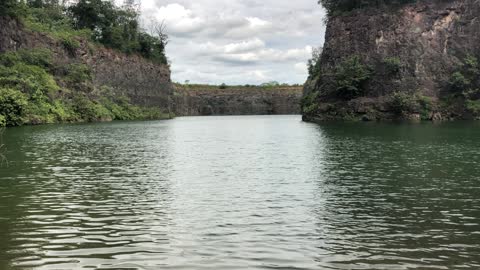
(257, 192)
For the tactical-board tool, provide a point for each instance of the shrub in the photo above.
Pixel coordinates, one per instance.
(13, 104)
(3, 121)
(12, 8)
(473, 106)
(89, 110)
(392, 65)
(309, 103)
(38, 57)
(458, 82)
(313, 63)
(403, 103)
(31, 80)
(78, 73)
(350, 77)
(70, 44)
(223, 86)
(471, 65)
(64, 112)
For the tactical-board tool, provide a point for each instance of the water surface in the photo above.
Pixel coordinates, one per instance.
(257, 192)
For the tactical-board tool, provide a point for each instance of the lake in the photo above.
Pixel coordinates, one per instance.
(246, 192)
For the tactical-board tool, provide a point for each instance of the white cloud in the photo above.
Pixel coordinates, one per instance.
(239, 41)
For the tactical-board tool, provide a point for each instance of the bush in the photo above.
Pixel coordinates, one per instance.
(3, 121)
(313, 63)
(12, 8)
(78, 73)
(38, 57)
(223, 86)
(403, 103)
(13, 104)
(473, 106)
(458, 82)
(350, 78)
(31, 80)
(70, 44)
(89, 110)
(392, 65)
(309, 103)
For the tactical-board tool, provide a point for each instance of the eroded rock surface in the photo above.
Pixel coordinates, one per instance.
(430, 38)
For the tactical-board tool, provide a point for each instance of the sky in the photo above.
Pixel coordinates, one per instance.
(238, 42)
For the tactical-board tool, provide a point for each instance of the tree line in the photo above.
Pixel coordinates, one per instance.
(110, 25)
(336, 6)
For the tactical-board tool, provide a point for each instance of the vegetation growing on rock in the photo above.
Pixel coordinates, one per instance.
(350, 78)
(30, 93)
(37, 86)
(98, 20)
(338, 6)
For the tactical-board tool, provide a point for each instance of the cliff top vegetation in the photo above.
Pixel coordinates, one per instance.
(99, 21)
(335, 7)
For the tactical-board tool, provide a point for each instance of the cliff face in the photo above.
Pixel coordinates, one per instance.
(410, 51)
(195, 101)
(145, 83)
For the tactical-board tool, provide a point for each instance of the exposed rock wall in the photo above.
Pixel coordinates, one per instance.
(237, 101)
(146, 83)
(431, 38)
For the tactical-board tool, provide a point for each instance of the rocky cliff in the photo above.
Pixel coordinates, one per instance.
(208, 100)
(145, 83)
(397, 63)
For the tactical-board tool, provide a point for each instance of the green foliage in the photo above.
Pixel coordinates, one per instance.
(309, 103)
(313, 63)
(471, 65)
(3, 121)
(53, 21)
(334, 7)
(466, 80)
(270, 84)
(13, 105)
(98, 20)
(71, 44)
(458, 82)
(473, 106)
(78, 73)
(13, 8)
(392, 65)
(29, 94)
(404, 103)
(118, 28)
(89, 110)
(350, 78)
(223, 86)
(39, 57)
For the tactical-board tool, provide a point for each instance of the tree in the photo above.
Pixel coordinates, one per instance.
(160, 30)
(313, 63)
(119, 28)
(351, 76)
(12, 8)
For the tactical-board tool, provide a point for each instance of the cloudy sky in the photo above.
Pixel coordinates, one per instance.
(239, 41)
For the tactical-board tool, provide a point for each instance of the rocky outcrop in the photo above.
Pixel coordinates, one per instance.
(145, 83)
(430, 40)
(208, 100)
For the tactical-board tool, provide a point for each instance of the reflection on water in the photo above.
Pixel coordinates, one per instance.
(262, 192)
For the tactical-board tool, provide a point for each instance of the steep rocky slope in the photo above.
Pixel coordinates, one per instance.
(207, 100)
(145, 83)
(397, 63)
